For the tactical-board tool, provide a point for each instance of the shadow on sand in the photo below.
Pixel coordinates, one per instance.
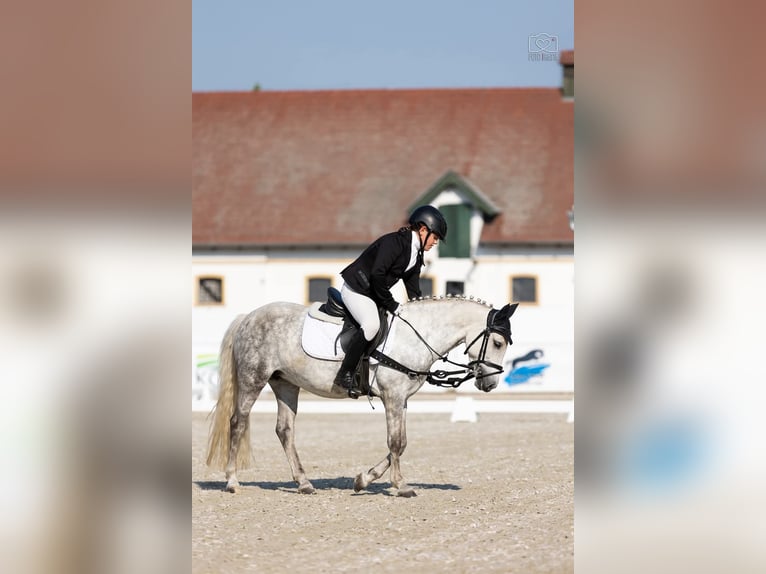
(339, 483)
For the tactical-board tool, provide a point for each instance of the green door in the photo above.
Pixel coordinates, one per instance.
(458, 242)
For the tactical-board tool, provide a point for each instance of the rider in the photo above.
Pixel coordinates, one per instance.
(368, 280)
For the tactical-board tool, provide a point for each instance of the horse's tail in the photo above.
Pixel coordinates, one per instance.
(228, 391)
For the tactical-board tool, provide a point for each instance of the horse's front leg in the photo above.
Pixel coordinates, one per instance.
(397, 441)
(363, 479)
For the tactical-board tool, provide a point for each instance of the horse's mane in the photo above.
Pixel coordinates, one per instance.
(465, 298)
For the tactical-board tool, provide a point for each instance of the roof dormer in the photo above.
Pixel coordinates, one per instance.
(465, 208)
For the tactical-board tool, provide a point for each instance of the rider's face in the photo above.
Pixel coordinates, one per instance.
(431, 241)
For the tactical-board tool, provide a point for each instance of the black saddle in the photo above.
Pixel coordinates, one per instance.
(334, 305)
(336, 308)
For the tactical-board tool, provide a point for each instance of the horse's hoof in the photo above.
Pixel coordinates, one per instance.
(407, 492)
(232, 488)
(306, 488)
(359, 483)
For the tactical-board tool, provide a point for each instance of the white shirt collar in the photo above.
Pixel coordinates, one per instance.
(414, 250)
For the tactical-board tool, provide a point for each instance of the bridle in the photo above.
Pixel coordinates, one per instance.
(481, 360)
(470, 370)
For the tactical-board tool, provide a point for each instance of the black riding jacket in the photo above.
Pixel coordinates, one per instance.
(381, 265)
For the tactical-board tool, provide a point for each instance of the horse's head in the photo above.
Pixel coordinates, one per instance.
(488, 349)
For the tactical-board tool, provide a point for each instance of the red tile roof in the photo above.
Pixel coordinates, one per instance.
(341, 167)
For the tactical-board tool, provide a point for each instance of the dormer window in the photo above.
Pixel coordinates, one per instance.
(458, 242)
(465, 208)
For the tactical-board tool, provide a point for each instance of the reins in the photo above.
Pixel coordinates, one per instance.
(442, 378)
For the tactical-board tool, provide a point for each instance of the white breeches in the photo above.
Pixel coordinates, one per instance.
(364, 310)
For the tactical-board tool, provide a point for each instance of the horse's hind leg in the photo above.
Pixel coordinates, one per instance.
(287, 406)
(240, 424)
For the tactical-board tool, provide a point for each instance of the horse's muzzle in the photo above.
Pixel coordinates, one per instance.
(486, 381)
(486, 384)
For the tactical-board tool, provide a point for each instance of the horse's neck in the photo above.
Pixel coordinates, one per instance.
(443, 324)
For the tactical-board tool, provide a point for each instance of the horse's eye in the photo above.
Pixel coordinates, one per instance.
(497, 344)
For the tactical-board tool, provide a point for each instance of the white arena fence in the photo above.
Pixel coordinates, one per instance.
(460, 409)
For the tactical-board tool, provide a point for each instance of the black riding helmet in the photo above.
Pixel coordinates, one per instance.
(432, 218)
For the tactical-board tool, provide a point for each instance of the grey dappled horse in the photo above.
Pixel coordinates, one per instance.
(265, 347)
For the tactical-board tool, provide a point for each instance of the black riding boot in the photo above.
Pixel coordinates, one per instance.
(345, 376)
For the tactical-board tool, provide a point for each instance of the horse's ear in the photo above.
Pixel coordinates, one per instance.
(507, 311)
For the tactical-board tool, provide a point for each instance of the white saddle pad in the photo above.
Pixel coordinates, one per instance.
(319, 337)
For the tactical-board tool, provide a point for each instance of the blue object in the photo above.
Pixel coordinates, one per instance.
(523, 374)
